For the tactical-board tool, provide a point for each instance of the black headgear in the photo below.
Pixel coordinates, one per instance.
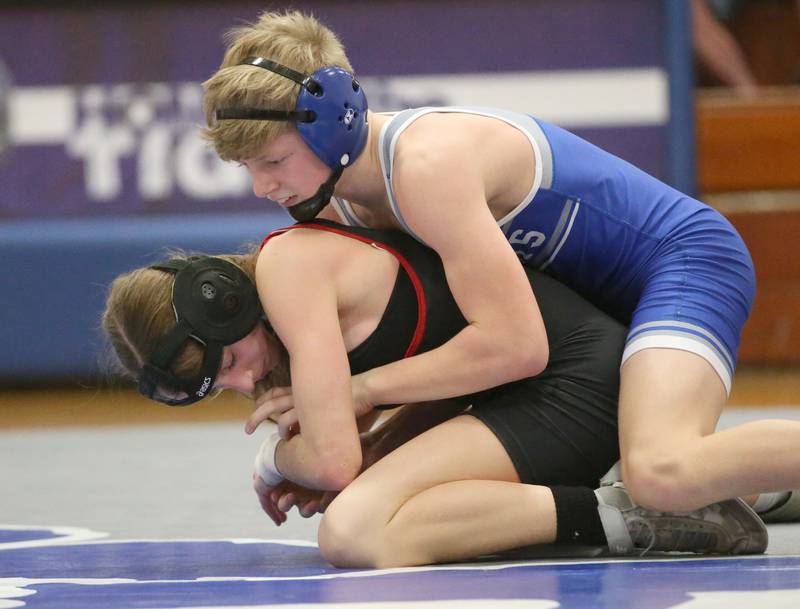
(331, 116)
(215, 304)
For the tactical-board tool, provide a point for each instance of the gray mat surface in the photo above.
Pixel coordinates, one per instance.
(171, 481)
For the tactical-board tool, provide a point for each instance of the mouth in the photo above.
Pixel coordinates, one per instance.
(286, 201)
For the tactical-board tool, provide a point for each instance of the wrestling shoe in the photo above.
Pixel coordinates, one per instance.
(727, 527)
(788, 511)
(613, 475)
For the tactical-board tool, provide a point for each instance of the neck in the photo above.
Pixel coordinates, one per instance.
(362, 182)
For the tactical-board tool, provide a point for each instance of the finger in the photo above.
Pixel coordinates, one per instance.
(288, 425)
(276, 494)
(270, 509)
(274, 392)
(273, 395)
(278, 515)
(266, 410)
(309, 508)
(286, 502)
(264, 498)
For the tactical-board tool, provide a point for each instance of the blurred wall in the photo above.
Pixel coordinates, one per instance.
(101, 165)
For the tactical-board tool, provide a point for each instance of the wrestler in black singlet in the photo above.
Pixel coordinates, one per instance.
(559, 427)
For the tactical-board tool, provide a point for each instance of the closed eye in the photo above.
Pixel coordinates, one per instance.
(277, 161)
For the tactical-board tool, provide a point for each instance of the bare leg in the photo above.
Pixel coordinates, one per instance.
(672, 460)
(449, 494)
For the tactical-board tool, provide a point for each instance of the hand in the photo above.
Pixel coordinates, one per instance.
(276, 404)
(265, 498)
(362, 404)
(307, 501)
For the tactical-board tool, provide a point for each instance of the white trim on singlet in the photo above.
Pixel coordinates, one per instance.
(667, 338)
(564, 237)
(387, 156)
(346, 213)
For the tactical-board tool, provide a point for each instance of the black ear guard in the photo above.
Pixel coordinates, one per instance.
(215, 304)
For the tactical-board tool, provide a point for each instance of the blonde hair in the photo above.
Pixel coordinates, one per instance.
(291, 38)
(139, 315)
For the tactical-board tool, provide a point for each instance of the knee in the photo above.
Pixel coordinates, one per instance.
(341, 537)
(351, 535)
(660, 480)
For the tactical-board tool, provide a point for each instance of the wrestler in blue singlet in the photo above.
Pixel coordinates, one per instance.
(668, 265)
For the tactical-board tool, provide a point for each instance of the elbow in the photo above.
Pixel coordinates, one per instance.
(536, 360)
(337, 472)
(527, 357)
(514, 352)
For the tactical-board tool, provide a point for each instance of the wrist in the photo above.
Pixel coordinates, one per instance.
(266, 467)
(368, 388)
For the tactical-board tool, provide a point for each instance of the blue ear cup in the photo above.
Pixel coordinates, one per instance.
(331, 117)
(330, 111)
(338, 133)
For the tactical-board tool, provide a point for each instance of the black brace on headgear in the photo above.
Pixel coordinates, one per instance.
(256, 114)
(215, 304)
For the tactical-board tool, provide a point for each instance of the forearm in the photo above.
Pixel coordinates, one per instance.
(467, 363)
(296, 460)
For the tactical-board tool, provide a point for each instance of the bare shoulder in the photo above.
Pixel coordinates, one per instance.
(458, 168)
(295, 282)
(296, 253)
(439, 178)
(437, 139)
(307, 253)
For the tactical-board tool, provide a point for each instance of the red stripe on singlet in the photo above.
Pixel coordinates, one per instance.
(422, 308)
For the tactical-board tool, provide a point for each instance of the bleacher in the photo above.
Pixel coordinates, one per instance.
(748, 158)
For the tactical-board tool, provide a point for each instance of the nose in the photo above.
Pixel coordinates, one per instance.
(241, 382)
(264, 184)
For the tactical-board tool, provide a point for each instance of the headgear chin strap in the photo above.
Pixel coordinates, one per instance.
(307, 210)
(331, 117)
(215, 304)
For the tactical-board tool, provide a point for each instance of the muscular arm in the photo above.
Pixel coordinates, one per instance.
(298, 291)
(442, 199)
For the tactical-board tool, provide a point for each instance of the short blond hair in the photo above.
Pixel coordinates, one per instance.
(293, 39)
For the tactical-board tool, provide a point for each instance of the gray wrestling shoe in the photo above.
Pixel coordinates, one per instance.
(788, 511)
(727, 527)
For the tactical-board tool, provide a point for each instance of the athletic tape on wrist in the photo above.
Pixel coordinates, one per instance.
(265, 465)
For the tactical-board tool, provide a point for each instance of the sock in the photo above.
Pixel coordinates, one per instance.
(577, 517)
(767, 501)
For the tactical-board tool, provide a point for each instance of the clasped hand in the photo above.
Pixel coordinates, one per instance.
(276, 501)
(277, 404)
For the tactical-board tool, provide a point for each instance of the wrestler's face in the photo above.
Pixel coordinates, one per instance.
(247, 361)
(286, 170)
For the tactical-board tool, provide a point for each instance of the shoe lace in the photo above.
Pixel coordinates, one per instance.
(637, 526)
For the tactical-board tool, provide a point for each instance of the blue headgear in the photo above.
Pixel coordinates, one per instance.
(331, 116)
